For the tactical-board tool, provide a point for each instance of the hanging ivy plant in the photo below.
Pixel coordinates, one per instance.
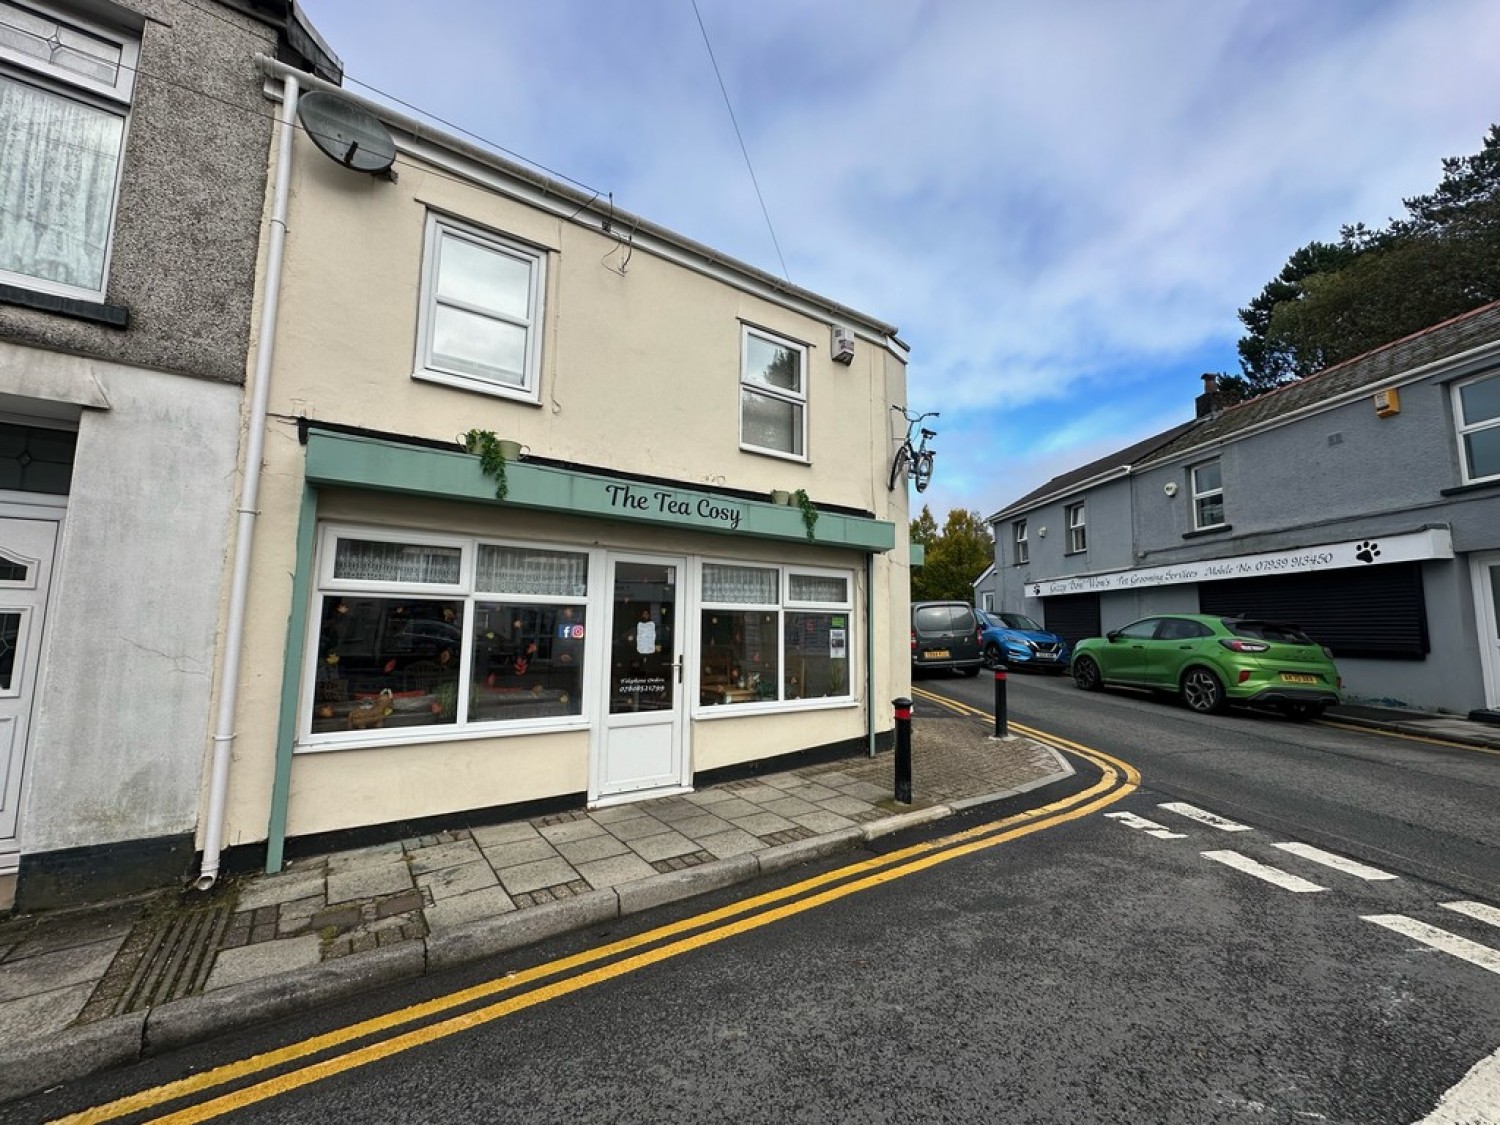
(491, 460)
(809, 513)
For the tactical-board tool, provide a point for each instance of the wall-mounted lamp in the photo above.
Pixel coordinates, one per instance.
(1041, 533)
(1170, 488)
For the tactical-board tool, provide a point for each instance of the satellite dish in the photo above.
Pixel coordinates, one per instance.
(347, 133)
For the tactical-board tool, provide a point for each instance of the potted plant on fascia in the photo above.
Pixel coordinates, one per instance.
(487, 447)
(809, 513)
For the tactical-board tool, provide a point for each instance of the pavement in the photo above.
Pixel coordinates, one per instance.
(88, 989)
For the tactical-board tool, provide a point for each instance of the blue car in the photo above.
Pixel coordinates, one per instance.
(1015, 640)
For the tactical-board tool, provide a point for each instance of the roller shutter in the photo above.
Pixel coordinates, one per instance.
(1377, 611)
(1073, 617)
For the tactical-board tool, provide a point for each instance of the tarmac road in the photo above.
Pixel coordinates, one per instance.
(1105, 968)
(1419, 806)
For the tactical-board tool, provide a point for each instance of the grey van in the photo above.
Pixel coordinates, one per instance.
(945, 635)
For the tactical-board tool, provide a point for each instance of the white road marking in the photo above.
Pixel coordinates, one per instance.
(1442, 940)
(1337, 862)
(1149, 827)
(1475, 910)
(1473, 1100)
(1203, 816)
(1282, 879)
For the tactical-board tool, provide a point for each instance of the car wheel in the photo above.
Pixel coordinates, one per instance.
(992, 656)
(1086, 674)
(1302, 712)
(1203, 692)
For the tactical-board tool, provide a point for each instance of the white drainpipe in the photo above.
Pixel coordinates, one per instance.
(260, 391)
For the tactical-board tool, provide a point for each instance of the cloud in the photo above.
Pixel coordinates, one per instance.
(1062, 206)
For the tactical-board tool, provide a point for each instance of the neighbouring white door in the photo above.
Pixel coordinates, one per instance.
(1487, 619)
(25, 566)
(641, 741)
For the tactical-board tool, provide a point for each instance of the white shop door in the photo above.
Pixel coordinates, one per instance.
(641, 745)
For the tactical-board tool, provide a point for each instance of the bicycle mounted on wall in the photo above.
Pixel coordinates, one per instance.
(914, 462)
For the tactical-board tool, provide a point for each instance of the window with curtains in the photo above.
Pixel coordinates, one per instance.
(773, 635)
(1023, 546)
(1078, 531)
(773, 394)
(65, 90)
(447, 633)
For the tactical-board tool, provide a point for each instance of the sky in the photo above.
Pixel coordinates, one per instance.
(1061, 204)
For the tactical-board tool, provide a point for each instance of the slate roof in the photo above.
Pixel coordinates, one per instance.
(1441, 341)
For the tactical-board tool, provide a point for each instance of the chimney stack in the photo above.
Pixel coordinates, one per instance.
(1208, 402)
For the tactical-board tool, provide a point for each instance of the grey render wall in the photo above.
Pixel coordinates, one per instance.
(188, 221)
(1110, 544)
(1327, 477)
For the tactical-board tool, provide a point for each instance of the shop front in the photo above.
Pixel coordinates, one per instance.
(587, 638)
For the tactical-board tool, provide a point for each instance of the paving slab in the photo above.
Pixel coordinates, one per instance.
(611, 872)
(534, 876)
(267, 958)
(369, 881)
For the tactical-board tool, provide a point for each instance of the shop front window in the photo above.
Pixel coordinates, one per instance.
(407, 638)
(773, 635)
(387, 662)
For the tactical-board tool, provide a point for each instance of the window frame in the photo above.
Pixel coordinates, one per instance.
(1022, 546)
(1201, 495)
(440, 227)
(1076, 518)
(799, 400)
(1463, 430)
(115, 99)
(466, 591)
(787, 605)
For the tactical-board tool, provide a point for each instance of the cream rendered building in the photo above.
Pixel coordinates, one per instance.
(637, 611)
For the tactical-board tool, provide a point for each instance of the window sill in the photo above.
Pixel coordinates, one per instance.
(416, 737)
(772, 707)
(1490, 485)
(97, 312)
(795, 458)
(1202, 531)
(522, 395)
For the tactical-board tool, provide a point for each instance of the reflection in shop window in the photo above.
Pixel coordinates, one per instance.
(527, 662)
(778, 647)
(387, 662)
(399, 657)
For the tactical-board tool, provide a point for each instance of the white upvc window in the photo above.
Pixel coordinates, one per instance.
(773, 394)
(1208, 495)
(482, 311)
(416, 635)
(774, 635)
(1476, 412)
(1078, 532)
(65, 90)
(1023, 547)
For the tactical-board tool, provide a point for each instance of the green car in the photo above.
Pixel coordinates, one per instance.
(1212, 662)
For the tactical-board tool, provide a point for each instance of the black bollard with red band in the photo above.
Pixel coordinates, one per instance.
(1002, 725)
(903, 749)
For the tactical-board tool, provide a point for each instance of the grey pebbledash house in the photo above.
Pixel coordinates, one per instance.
(1362, 503)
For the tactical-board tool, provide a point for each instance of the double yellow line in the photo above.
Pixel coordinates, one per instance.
(526, 989)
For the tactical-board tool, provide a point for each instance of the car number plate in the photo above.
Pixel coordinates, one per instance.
(1298, 678)
(937, 654)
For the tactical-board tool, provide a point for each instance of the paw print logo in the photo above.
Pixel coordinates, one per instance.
(1367, 552)
(1036, 591)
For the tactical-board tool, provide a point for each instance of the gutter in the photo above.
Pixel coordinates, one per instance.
(229, 678)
